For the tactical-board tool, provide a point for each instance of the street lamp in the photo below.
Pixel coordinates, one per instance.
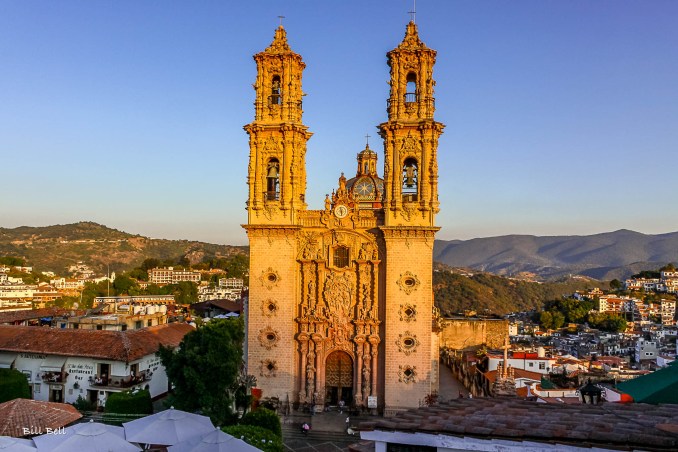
(590, 394)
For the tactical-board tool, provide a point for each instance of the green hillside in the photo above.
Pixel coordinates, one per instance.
(54, 248)
(490, 294)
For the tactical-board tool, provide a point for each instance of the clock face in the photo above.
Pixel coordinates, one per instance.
(341, 211)
(364, 188)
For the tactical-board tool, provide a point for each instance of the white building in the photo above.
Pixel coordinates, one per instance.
(171, 276)
(231, 283)
(532, 361)
(668, 312)
(62, 364)
(646, 350)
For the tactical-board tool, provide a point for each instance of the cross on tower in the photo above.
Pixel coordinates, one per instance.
(367, 139)
(281, 19)
(413, 13)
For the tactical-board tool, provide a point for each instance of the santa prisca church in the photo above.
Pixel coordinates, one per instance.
(341, 300)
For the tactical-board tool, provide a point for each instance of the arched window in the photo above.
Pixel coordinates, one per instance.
(410, 179)
(273, 180)
(341, 257)
(411, 90)
(276, 94)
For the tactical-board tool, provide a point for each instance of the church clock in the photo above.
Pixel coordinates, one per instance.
(341, 211)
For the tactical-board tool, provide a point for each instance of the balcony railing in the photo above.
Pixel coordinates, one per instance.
(120, 382)
(53, 377)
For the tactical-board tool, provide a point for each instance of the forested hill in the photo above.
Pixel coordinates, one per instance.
(484, 293)
(606, 256)
(56, 247)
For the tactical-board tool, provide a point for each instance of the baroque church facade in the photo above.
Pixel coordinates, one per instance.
(341, 299)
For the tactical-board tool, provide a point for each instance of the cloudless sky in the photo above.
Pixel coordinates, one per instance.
(562, 116)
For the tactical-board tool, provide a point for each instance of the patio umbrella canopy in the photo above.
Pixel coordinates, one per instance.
(167, 428)
(90, 437)
(9, 444)
(214, 441)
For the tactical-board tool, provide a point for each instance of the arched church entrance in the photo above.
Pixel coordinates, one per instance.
(338, 378)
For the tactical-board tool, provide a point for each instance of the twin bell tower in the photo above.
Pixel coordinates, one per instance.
(340, 305)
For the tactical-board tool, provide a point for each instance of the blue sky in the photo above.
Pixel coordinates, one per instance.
(562, 116)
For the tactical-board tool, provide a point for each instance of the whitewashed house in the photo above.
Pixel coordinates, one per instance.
(62, 364)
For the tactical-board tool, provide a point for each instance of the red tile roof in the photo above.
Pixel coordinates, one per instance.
(622, 425)
(31, 314)
(491, 375)
(115, 345)
(18, 414)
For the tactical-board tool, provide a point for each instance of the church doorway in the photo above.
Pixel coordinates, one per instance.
(338, 378)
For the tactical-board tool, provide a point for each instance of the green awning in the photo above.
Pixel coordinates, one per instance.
(660, 386)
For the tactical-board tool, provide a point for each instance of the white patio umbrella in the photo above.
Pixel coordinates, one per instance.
(90, 437)
(167, 428)
(10, 444)
(214, 441)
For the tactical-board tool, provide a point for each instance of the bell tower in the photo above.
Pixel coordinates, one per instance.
(410, 205)
(277, 168)
(276, 177)
(411, 135)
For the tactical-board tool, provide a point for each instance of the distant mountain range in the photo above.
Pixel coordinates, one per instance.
(605, 256)
(56, 247)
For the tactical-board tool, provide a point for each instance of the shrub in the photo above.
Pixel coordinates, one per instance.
(82, 404)
(13, 385)
(129, 403)
(264, 418)
(258, 437)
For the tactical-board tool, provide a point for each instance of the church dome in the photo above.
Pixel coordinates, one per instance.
(367, 188)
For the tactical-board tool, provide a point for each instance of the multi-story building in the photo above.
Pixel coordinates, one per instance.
(231, 283)
(218, 293)
(63, 364)
(67, 283)
(169, 275)
(646, 350)
(132, 300)
(525, 360)
(668, 312)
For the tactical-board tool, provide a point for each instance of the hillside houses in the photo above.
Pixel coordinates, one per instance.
(667, 282)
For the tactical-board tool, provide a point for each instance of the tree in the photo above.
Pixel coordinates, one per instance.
(139, 273)
(607, 321)
(150, 263)
(668, 268)
(13, 385)
(185, 292)
(552, 320)
(204, 369)
(124, 285)
(615, 284)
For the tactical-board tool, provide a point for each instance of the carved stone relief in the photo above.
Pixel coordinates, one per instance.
(408, 312)
(269, 307)
(268, 337)
(407, 342)
(407, 374)
(269, 278)
(408, 282)
(269, 368)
